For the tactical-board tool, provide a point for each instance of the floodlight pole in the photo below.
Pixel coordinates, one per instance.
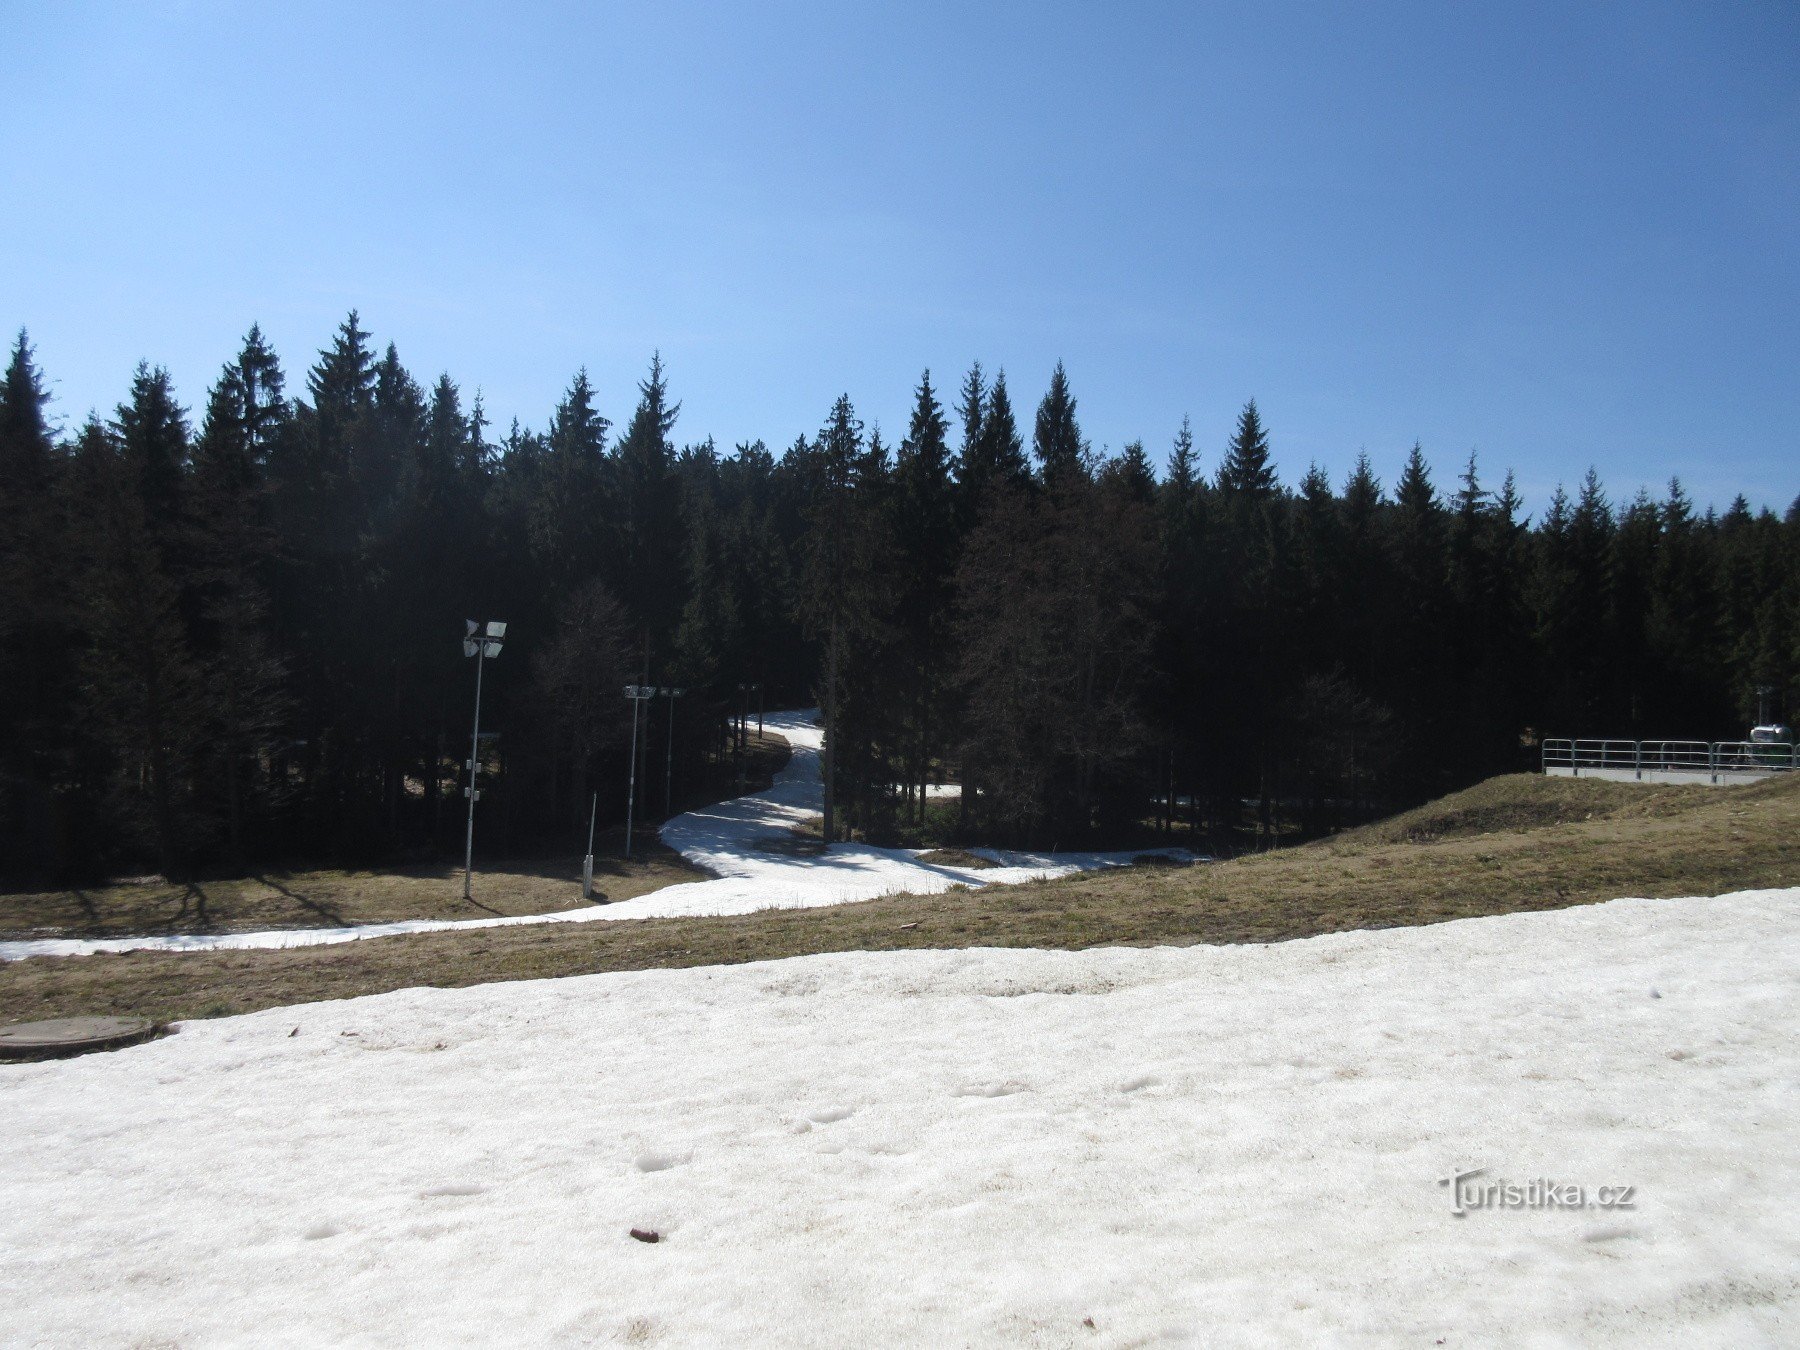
(587, 868)
(474, 762)
(477, 638)
(632, 693)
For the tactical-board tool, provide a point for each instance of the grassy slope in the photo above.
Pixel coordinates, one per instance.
(329, 898)
(1517, 843)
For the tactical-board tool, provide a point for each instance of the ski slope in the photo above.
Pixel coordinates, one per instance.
(1199, 1146)
(732, 841)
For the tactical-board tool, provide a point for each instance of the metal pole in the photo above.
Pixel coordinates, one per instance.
(669, 761)
(587, 868)
(631, 792)
(474, 762)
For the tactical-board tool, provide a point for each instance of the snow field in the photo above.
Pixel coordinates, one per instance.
(1236, 1146)
(731, 840)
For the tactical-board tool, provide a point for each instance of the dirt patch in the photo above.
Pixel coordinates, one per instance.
(790, 844)
(959, 858)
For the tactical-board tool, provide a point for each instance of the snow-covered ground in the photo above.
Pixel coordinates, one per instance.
(1216, 1146)
(732, 840)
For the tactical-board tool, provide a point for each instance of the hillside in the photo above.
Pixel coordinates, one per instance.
(1511, 844)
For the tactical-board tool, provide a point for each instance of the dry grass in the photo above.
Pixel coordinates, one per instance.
(1521, 843)
(328, 898)
(957, 857)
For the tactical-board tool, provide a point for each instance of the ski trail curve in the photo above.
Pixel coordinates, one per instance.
(745, 843)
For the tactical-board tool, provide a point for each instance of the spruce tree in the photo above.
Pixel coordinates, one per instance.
(141, 690)
(970, 409)
(567, 496)
(1056, 437)
(1245, 473)
(1183, 471)
(239, 678)
(925, 529)
(38, 622)
(993, 453)
(153, 438)
(645, 508)
(831, 570)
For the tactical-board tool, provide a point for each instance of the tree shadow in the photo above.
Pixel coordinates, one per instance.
(324, 911)
(90, 911)
(193, 901)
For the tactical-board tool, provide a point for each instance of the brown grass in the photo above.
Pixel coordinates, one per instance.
(957, 857)
(328, 898)
(1582, 843)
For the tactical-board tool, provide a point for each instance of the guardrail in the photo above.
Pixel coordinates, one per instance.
(1716, 761)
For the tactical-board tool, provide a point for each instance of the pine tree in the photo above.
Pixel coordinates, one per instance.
(29, 529)
(1056, 626)
(1246, 473)
(342, 384)
(1315, 580)
(141, 686)
(27, 446)
(925, 528)
(257, 386)
(970, 409)
(1420, 674)
(153, 437)
(38, 624)
(1131, 474)
(1056, 438)
(645, 509)
(1183, 471)
(1682, 623)
(1572, 595)
(567, 501)
(1002, 448)
(1250, 625)
(394, 447)
(315, 470)
(1367, 579)
(844, 577)
(239, 679)
(992, 454)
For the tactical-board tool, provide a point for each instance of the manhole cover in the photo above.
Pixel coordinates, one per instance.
(71, 1036)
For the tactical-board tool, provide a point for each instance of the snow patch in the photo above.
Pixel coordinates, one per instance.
(749, 845)
(1237, 1145)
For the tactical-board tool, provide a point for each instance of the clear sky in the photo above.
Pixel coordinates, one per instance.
(1557, 234)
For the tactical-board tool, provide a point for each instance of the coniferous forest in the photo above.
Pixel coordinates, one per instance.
(231, 635)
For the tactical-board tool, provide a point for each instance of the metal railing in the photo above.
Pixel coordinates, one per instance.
(1719, 761)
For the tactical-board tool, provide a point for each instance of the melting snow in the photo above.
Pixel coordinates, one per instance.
(731, 840)
(1112, 1147)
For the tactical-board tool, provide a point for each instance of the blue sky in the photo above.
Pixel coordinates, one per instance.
(1559, 235)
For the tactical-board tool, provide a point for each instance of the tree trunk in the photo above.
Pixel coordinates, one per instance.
(828, 757)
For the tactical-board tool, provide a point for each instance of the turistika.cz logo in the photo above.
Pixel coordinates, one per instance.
(1468, 1193)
